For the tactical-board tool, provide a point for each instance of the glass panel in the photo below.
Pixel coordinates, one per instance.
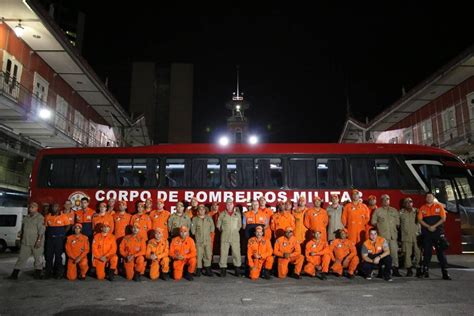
(239, 173)
(269, 173)
(302, 173)
(175, 173)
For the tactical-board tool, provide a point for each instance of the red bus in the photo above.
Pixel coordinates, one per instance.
(212, 173)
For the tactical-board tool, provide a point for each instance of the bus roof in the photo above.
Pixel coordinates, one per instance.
(308, 148)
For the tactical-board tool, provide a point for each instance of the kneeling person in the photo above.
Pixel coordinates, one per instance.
(344, 254)
(288, 250)
(183, 251)
(318, 256)
(157, 251)
(259, 254)
(376, 253)
(104, 251)
(77, 248)
(133, 250)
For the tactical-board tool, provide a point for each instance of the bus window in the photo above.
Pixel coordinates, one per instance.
(176, 170)
(302, 173)
(70, 172)
(330, 173)
(124, 171)
(152, 172)
(87, 172)
(268, 173)
(445, 194)
(363, 173)
(239, 173)
(206, 173)
(60, 172)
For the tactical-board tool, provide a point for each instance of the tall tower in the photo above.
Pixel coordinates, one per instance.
(237, 124)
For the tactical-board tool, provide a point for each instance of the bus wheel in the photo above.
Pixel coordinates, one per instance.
(3, 246)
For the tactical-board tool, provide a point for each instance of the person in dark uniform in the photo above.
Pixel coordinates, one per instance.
(432, 217)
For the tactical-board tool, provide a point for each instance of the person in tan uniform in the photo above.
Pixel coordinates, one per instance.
(178, 219)
(229, 224)
(410, 230)
(202, 228)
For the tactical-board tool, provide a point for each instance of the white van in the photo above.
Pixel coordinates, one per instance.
(11, 219)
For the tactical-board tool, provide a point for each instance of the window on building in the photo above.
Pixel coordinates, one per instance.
(408, 136)
(78, 125)
(449, 123)
(427, 131)
(61, 113)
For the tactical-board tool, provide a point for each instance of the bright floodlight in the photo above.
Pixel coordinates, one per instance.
(237, 107)
(224, 141)
(45, 114)
(19, 29)
(253, 140)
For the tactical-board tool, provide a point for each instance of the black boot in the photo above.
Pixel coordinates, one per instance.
(445, 274)
(209, 272)
(136, 277)
(323, 276)
(164, 276)
(238, 272)
(223, 272)
(266, 274)
(419, 274)
(110, 275)
(38, 274)
(409, 272)
(198, 272)
(396, 272)
(14, 275)
(296, 276)
(426, 272)
(188, 276)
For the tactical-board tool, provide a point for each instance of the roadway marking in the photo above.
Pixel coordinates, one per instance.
(367, 295)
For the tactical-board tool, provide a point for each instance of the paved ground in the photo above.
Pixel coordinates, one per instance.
(206, 295)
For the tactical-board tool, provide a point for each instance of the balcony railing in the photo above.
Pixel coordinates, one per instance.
(83, 134)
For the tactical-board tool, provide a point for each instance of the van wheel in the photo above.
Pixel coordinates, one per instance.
(3, 246)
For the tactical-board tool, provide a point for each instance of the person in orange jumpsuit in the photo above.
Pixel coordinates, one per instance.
(159, 218)
(111, 206)
(157, 251)
(121, 221)
(142, 220)
(318, 256)
(183, 251)
(57, 226)
(102, 218)
(77, 248)
(84, 216)
(316, 219)
(104, 249)
(148, 206)
(372, 205)
(133, 250)
(69, 212)
(344, 254)
(192, 209)
(355, 217)
(282, 219)
(288, 250)
(298, 214)
(268, 211)
(259, 254)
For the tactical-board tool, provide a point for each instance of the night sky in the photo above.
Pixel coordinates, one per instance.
(298, 64)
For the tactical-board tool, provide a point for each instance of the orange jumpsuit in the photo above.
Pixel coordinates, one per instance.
(159, 219)
(104, 246)
(77, 247)
(355, 218)
(300, 229)
(291, 246)
(263, 248)
(161, 250)
(321, 257)
(98, 220)
(317, 220)
(187, 249)
(71, 215)
(269, 214)
(133, 246)
(344, 254)
(84, 217)
(280, 221)
(121, 221)
(144, 224)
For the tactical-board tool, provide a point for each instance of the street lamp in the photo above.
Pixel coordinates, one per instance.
(224, 141)
(19, 29)
(45, 113)
(253, 140)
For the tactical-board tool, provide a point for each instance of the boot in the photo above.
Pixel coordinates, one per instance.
(38, 274)
(409, 272)
(14, 275)
(209, 272)
(198, 272)
(445, 274)
(188, 276)
(80, 277)
(396, 272)
(47, 275)
(223, 272)
(323, 276)
(266, 274)
(380, 274)
(419, 274)
(110, 275)
(296, 276)
(136, 277)
(426, 272)
(164, 276)
(238, 272)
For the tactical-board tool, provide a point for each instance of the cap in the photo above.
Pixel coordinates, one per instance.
(160, 201)
(102, 204)
(317, 198)
(371, 197)
(259, 228)
(159, 230)
(355, 191)
(335, 195)
(301, 199)
(183, 229)
(78, 225)
(385, 197)
(123, 202)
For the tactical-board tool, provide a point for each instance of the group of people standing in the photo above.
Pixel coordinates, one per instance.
(341, 239)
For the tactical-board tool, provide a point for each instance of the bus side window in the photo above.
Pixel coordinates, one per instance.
(239, 173)
(206, 173)
(363, 173)
(302, 173)
(269, 173)
(330, 173)
(176, 170)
